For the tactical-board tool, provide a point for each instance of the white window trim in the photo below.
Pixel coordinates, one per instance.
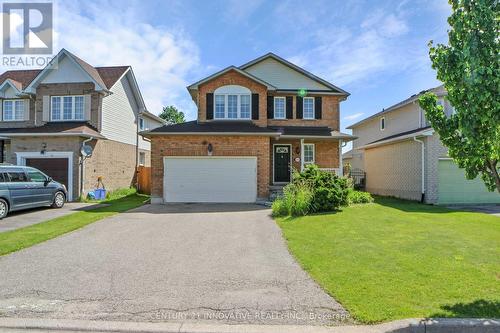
(382, 120)
(313, 151)
(284, 107)
(142, 162)
(238, 106)
(13, 109)
(61, 110)
(142, 125)
(304, 108)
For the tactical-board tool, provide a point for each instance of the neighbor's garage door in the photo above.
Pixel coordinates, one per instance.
(454, 188)
(57, 168)
(210, 179)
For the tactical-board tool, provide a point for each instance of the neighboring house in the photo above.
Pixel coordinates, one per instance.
(255, 124)
(47, 115)
(403, 157)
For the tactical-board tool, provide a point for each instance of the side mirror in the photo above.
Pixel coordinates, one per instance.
(48, 180)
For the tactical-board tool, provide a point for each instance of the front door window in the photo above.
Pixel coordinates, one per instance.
(282, 163)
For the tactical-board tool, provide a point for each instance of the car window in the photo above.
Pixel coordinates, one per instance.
(36, 176)
(17, 176)
(2, 177)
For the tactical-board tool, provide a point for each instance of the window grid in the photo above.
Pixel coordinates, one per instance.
(279, 108)
(309, 153)
(67, 108)
(232, 106)
(13, 110)
(308, 108)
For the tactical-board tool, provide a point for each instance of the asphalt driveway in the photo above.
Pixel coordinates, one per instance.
(222, 263)
(24, 218)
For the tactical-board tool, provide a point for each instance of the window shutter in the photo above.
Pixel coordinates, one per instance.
(210, 105)
(26, 109)
(87, 103)
(318, 106)
(1, 109)
(299, 107)
(289, 107)
(255, 106)
(270, 107)
(46, 108)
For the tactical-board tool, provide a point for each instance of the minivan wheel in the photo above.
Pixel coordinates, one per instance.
(4, 208)
(59, 199)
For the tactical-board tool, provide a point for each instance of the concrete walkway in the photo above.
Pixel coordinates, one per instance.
(176, 263)
(23, 218)
(486, 209)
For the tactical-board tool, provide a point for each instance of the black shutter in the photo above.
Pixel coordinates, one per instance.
(298, 107)
(255, 106)
(270, 107)
(210, 105)
(289, 107)
(318, 106)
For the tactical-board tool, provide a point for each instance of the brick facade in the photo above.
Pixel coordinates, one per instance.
(193, 145)
(59, 89)
(233, 78)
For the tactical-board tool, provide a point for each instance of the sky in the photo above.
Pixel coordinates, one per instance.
(375, 49)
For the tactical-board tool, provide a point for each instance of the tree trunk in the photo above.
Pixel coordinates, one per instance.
(493, 167)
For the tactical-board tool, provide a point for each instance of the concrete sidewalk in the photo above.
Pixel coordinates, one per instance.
(399, 326)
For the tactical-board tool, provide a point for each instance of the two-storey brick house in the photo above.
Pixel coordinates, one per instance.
(47, 116)
(256, 123)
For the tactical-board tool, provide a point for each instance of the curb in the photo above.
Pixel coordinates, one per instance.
(399, 326)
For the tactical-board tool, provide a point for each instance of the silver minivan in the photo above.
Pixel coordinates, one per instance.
(23, 187)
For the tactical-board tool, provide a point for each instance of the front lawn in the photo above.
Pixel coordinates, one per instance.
(15, 240)
(396, 259)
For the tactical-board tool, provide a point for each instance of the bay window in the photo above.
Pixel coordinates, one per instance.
(13, 110)
(67, 108)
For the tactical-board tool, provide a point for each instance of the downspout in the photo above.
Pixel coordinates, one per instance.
(82, 169)
(422, 198)
(137, 153)
(341, 162)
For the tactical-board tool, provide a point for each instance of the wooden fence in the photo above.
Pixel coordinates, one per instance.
(144, 179)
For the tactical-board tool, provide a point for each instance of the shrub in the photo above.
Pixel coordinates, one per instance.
(357, 197)
(296, 200)
(329, 190)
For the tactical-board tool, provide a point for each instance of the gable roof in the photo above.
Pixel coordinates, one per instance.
(302, 71)
(195, 85)
(439, 90)
(19, 78)
(111, 74)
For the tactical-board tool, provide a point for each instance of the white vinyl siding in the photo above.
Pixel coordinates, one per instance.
(308, 109)
(67, 108)
(210, 179)
(309, 153)
(279, 108)
(13, 110)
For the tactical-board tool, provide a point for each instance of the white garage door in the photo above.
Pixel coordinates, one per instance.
(210, 179)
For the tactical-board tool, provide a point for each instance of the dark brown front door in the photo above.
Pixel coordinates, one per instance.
(281, 163)
(57, 168)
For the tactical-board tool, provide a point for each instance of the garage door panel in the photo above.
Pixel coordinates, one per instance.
(210, 179)
(454, 188)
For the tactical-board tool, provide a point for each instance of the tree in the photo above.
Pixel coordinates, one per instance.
(172, 115)
(469, 68)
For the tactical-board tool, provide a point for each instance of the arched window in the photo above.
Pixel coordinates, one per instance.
(232, 102)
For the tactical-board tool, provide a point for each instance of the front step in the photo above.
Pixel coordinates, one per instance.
(275, 191)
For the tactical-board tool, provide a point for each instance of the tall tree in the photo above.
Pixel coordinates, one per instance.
(469, 68)
(172, 115)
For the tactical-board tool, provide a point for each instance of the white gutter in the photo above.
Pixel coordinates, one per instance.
(425, 132)
(422, 167)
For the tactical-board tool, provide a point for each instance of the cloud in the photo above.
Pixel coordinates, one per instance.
(237, 10)
(105, 35)
(354, 116)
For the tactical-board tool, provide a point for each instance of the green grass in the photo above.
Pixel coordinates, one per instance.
(396, 259)
(15, 240)
(112, 195)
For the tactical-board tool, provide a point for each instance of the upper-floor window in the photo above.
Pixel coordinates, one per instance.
(279, 108)
(308, 107)
(382, 123)
(232, 102)
(13, 110)
(142, 124)
(67, 108)
(309, 153)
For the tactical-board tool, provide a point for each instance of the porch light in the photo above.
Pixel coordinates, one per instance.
(210, 148)
(44, 148)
